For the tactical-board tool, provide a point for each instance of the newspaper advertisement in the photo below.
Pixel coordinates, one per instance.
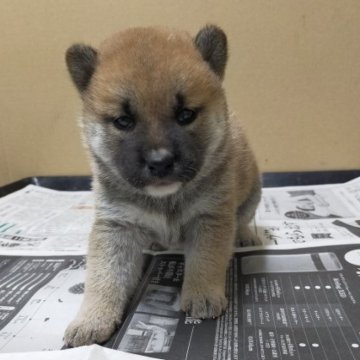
(287, 299)
(309, 214)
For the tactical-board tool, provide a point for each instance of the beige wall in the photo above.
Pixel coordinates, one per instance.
(293, 76)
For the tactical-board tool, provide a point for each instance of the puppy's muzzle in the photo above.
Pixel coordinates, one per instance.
(160, 163)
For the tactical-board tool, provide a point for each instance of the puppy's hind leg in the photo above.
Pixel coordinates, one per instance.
(246, 237)
(245, 212)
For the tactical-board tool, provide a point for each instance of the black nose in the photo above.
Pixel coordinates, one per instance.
(160, 163)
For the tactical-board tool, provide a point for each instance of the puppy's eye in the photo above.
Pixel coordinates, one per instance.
(186, 116)
(124, 122)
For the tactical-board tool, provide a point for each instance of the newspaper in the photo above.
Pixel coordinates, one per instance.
(309, 214)
(41, 221)
(36, 220)
(296, 297)
(93, 352)
(283, 304)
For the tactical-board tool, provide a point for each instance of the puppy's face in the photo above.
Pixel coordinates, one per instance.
(154, 109)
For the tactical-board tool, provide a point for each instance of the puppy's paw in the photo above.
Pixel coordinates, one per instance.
(203, 303)
(245, 237)
(89, 330)
(253, 241)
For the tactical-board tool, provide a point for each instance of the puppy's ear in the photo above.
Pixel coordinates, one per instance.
(81, 62)
(212, 43)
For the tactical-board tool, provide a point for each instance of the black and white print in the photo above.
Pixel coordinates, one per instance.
(148, 334)
(160, 300)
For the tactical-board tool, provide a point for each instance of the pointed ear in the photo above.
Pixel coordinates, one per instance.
(81, 62)
(212, 43)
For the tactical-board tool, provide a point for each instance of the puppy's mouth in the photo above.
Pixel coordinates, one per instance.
(162, 188)
(158, 186)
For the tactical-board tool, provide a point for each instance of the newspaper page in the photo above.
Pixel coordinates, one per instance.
(283, 304)
(309, 214)
(36, 220)
(39, 296)
(43, 240)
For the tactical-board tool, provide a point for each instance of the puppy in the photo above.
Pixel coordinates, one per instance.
(169, 166)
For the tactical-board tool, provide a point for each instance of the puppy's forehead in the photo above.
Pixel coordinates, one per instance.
(145, 41)
(152, 65)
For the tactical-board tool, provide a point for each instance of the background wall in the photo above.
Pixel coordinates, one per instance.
(293, 76)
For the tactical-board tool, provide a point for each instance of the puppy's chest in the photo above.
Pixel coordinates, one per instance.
(154, 226)
(164, 229)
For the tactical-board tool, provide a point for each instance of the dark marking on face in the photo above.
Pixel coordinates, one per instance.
(184, 147)
(126, 107)
(180, 102)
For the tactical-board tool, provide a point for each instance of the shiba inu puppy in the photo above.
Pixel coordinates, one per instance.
(169, 166)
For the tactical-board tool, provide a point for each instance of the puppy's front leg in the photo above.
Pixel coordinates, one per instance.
(208, 251)
(114, 265)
